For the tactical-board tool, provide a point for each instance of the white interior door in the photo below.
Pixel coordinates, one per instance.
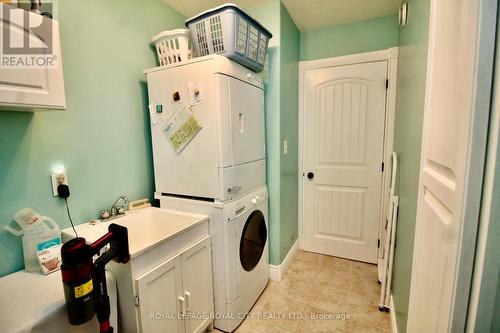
(343, 141)
(451, 152)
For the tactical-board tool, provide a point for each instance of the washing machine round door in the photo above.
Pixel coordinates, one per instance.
(253, 240)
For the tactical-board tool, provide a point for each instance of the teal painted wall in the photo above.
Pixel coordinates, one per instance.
(268, 14)
(289, 119)
(281, 82)
(412, 64)
(289, 130)
(103, 136)
(488, 312)
(488, 309)
(370, 35)
(495, 325)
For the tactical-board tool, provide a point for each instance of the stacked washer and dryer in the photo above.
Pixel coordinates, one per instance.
(219, 171)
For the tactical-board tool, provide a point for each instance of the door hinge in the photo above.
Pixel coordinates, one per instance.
(386, 83)
(136, 301)
(378, 243)
(383, 165)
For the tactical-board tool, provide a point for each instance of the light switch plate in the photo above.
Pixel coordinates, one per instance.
(285, 147)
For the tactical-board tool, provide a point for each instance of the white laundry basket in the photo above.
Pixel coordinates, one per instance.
(229, 31)
(173, 46)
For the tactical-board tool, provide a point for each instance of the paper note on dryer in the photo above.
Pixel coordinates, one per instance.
(181, 128)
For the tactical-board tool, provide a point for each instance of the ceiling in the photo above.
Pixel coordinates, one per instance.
(307, 14)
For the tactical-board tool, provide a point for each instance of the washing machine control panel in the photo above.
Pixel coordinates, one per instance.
(258, 198)
(239, 207)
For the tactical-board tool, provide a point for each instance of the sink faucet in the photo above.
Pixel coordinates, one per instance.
(116, 209)
(120, 209)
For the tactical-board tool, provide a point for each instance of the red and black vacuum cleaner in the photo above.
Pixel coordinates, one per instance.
(84, 279)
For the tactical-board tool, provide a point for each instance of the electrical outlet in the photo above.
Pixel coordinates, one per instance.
(57, 179)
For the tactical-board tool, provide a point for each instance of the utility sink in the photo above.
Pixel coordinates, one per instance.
(147, 227)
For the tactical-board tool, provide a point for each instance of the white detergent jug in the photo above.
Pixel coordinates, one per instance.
(39, 232)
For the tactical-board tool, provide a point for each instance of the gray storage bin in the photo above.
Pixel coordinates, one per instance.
(229, 31)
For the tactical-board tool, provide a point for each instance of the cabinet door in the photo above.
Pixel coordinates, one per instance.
(247, 122)
(160, 302)
(29, 87)
(242, 121)
(197, 282)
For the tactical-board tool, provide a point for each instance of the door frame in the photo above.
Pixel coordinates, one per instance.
(391, 56)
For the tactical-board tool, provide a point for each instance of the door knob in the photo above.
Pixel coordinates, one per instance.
(310, 175)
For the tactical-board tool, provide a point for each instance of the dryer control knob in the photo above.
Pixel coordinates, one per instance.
(254, 201)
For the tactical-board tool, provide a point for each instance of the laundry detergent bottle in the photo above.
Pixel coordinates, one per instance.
(38, 232)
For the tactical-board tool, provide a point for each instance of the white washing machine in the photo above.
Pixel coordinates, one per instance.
(240, 255)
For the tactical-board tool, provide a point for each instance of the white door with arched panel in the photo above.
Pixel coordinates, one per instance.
(343, 145)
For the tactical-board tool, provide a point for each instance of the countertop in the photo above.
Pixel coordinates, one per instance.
(32, 302)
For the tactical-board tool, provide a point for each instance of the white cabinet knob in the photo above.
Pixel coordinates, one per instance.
(249, 75)
(254, 201)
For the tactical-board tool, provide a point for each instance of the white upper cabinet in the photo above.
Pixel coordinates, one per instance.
(31, 73)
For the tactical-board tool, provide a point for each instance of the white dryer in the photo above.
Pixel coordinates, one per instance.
(240, 255)
(226, 157)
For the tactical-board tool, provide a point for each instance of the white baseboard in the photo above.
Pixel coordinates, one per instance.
(274, 274)
(392, 313)
(277, 272)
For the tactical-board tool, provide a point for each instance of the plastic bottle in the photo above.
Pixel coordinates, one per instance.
(39, 233)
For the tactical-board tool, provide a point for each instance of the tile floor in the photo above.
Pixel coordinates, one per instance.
(317, 285)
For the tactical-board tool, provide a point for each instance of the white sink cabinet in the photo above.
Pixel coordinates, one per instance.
(176, 295)
(167, 285)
